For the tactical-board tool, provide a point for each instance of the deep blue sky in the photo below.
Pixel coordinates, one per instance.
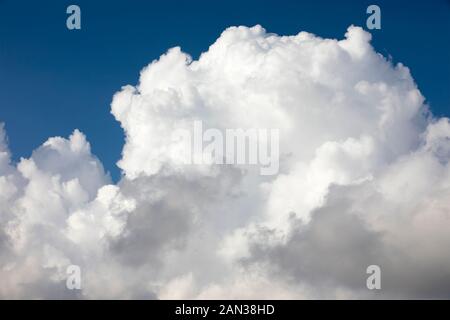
(53, 80)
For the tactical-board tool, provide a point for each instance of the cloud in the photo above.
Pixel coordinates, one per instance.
(397, 220)
(364, 179)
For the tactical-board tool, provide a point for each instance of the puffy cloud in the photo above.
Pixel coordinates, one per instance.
(363, 179)
(39, 195)
(398, 220)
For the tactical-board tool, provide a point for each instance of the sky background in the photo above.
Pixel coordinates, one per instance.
(53, 80)
(362, 172)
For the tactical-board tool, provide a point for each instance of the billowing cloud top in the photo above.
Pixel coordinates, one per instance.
(363, 179)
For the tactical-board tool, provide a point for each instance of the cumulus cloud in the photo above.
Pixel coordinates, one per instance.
(363, 179)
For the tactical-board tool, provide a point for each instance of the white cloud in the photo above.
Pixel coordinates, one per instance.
(364, 179)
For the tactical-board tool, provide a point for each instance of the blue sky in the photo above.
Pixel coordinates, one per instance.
(53, 80)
